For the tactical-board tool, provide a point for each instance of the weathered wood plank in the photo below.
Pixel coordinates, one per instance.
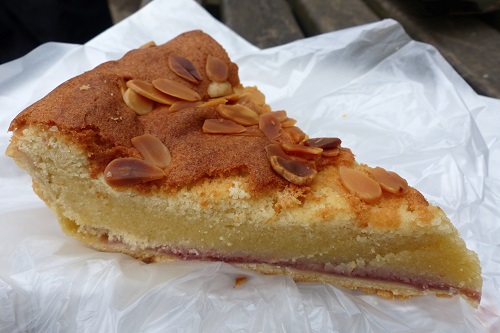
(469, 45)
(263, 23)
(320, 16)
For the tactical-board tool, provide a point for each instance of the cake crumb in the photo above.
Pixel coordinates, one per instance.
(235, 192)
(85, 87)
(239, 281)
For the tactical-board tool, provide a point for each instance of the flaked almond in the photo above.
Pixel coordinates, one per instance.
(123, 87)
(176, 89)
(233, 98)
(152, 150)
(302, 151)
(296, 172)
(222, 126)
(181, 105)
(288, 122)
(270, 125)
(275, 149)
(219, 89)
(214, 102)
(239, 113)
(184, 68)
(130, 171)
(389, 180)
(216, 69)
(359, 184)
(147, 90)
(140, 104)
(295, 133)
(280, 115)
(331, 152)
(147, 45)
(252, 94)
(252, 131)
(325, 143)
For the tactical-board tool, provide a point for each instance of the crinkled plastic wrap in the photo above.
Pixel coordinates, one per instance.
(394, 101)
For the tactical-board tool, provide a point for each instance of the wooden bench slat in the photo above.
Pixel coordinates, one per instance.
(320, 16)
(468, 44)
(263, 23)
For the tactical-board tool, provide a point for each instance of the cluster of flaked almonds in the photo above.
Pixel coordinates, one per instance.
(141, 96)
(369, 186)
(129, 170)
(295, 161)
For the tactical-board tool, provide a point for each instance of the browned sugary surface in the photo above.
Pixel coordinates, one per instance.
(91, 107)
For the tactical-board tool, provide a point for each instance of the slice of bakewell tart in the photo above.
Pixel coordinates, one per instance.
(165, 155)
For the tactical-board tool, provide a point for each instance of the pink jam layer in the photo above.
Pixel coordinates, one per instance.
(421, 284)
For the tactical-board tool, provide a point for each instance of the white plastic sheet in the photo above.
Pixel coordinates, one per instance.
(394, 101)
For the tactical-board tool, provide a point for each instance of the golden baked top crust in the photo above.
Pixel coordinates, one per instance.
(91, 108)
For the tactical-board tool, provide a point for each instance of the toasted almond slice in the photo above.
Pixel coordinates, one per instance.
(216, 69)
(252, 131)
(288, 122)
(181, 105)
(130, 171)
(280, 115)
(147, 90)
(176, 89)
(275, 149)
(296, 172)
(147, 45)
(330, 152)
(325, 143)
(123, 87)
(233, 98)
(302, 151)
(296, 134)
(214, 102)
(184, 68)
(359, 184)
(219, 89)
(152, 150)
(239, 113)
(140, 104)
(252, 94)
(270, 125)
(389, 180)
(222, 126)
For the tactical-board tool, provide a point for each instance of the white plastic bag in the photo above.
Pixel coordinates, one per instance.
(395, 102)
